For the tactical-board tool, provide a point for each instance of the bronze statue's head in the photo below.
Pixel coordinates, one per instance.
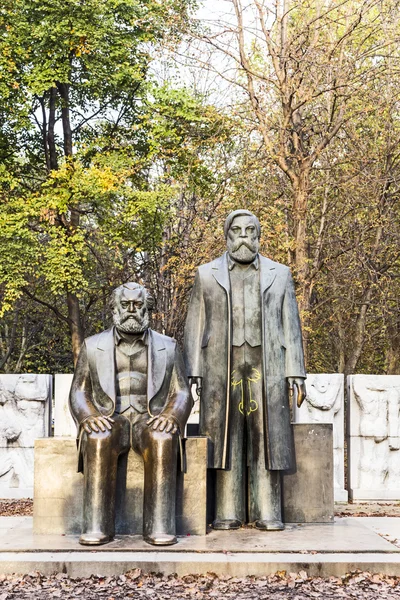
(130, 304)
(242, 232)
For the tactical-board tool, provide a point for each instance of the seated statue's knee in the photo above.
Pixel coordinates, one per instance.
(97, 436)
(161, 437)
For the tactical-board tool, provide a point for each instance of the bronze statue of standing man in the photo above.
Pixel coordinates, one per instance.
(243, 349)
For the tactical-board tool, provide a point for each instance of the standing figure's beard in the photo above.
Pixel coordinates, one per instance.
(130, 324)
(242, 252)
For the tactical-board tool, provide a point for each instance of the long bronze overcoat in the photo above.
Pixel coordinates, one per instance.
(207, 352)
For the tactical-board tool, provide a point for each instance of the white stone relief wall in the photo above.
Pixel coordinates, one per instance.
(374, 437)
(25, 402)
(64, 425)
(325, 404)
(373, 428)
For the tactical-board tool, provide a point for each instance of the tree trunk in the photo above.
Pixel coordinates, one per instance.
(63, 89)
(45, 135)
(302, 264)
(74, 311)
(10, 342)
(23, 348)
(164, 279)
(341, 346)
(393, 351)
(53, 162)
(75, 324)
(359, 334)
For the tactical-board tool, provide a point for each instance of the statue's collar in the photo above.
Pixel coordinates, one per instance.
(232, 263)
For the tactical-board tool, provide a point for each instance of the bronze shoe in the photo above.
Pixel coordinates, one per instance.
(95, 538)
(269, 525)
(226, 524)
(160, 539)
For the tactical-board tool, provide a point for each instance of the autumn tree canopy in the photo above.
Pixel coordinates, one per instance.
(129, 129)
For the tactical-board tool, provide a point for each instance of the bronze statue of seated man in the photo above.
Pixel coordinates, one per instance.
(129, 390)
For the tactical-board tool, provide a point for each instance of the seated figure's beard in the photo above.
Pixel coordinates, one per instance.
(131, 324)
(242, 252)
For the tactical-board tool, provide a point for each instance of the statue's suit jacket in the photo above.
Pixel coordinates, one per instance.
(93, 390)
(207, 352)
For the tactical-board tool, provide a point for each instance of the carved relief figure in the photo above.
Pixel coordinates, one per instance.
(243, 350)
(378, 416)
(324, 404)
(129, 388)
(23, 414)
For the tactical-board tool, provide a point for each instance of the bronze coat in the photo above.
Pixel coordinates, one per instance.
(93, 390)
(208, 355)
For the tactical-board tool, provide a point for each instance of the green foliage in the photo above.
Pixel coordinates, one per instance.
(85, 145)
(106, 176)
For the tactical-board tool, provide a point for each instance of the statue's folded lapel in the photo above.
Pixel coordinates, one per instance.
(156, 364)
(221, 273)
(105, 362)
(267, 273)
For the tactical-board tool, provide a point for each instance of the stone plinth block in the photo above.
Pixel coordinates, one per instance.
(308, 492)
(58, 490)
(374, 437)
(64, 425)
(191, 506)
(25, 402)
(325, 404)
(58, 497)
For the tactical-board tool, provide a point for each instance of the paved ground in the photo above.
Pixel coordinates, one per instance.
(346, 535)
(388, 527)
(349, 544)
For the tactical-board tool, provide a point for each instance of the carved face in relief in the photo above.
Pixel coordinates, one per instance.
(242, 239)
(130, 309)
(322, 391)
(22, 409)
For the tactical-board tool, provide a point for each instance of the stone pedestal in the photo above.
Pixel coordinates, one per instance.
(325, 404)
(308, 491)
(64, 425)
(58, 495)
(25, 406)
(374, 437)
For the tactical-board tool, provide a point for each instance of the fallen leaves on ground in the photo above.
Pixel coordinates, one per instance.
(16, 508)
(24, 508)
(134, 584)
(368, 509)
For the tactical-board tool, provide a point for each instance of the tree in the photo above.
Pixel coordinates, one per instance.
(304, 67)
(75, 77)
(361, 252)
